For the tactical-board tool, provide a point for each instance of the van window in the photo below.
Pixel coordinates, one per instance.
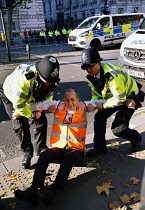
(103, 23)
(88, 23)
(127, 19)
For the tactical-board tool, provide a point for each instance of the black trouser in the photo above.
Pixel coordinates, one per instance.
(21, 127)
(120, 126)
(50, 40)
(66, 158)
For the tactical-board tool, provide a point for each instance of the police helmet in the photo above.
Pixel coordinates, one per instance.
(48, 68)
(90, 56)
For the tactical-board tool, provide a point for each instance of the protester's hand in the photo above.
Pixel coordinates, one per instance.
(16, 114)
(99, 106)
(130, 103)
(90, 108)
(52, 108)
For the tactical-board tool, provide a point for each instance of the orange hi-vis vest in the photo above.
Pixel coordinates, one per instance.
(69, 134)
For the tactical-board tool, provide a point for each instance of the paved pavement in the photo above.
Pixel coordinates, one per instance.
(117, 167)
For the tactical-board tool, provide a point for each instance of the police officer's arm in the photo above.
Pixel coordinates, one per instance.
(92, 105)
(118, 92)
(119, 96)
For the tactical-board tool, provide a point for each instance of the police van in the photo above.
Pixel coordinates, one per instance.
(102, 30)
(132, 53)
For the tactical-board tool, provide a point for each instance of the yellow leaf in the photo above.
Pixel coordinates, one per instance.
(126, 184)
(125, 198)
(13, 205)
(135, 196)
(104, 188)
(13, 188)
(134, 180)
(93, 164)
(115, 205)
(13, 177)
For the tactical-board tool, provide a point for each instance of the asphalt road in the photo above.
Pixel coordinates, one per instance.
(71, 76)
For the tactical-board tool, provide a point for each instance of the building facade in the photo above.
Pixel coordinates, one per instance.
(45, 14)
(26, 19)
(70, 13)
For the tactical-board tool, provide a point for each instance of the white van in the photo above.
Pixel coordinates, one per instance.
(102, 30)
(132, 53)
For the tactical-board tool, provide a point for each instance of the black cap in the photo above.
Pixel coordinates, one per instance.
(90, 56)
(48, 68)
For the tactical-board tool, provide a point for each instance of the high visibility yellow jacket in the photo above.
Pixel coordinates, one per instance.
(20, 86)
(118, 86)
(50, 33)
(57, 33)
(69, 134)
(64, 31)
(42, 33)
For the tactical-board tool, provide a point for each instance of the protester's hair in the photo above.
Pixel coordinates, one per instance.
(69, 90)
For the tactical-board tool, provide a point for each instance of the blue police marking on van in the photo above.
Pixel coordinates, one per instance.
(112, 36)
(138, 42)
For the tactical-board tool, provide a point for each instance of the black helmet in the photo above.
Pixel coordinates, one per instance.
(90, 56)
(48, 68)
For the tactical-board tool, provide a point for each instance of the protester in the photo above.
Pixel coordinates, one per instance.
(25, 85)
(110, 82)
(67, 143)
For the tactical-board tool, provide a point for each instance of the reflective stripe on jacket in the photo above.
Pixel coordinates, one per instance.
(19, 87)
(117, 88)
(69, 134)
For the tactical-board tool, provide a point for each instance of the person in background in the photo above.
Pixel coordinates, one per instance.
(57, 35)
(110, 82)
(42, 37)
(50, 36)
(64, 35)
(67, 142)
(25, 85)
(26, 36)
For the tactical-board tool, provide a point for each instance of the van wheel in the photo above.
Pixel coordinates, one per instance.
(96, 43)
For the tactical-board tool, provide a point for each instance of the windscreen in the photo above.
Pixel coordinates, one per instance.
(87, 23)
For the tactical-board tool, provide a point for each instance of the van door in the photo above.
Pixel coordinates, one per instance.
(102, 30)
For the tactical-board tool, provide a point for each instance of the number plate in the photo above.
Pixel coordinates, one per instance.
(136, 73)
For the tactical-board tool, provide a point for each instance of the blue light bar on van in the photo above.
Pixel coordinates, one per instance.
(84, 34)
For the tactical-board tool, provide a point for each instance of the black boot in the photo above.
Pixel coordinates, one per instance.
(48, 197)
(136, 144)
(29, 195)
(93, 152)
(26, 162)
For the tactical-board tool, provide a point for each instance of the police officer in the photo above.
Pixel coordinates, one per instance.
(42, 36)
(64, 35)
(25, 85)
(110, 82)
(57, 35)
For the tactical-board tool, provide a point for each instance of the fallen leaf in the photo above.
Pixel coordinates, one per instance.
(135, 196)
(104, 188)
(13, 177)
(126, 184)
(134, 180)
(93, 164)
(13, 205)
(13, 188)
(115, 205)
(125, 198)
